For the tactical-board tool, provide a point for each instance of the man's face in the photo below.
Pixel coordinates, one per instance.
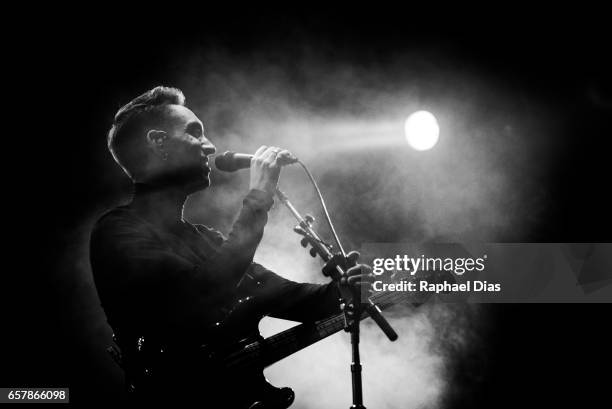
(187, 149)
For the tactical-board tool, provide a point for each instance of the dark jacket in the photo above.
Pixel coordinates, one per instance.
(173, 282)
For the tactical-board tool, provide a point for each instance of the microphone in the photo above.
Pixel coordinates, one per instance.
(231, 161)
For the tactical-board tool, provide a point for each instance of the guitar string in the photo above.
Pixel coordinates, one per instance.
(328, 326)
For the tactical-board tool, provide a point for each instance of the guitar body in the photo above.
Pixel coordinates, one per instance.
(237, 332)
(158, 375)
(242, 390)
(226, 371)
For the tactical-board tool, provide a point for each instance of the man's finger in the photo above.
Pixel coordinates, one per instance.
(366, 278)
(268, 154)
(362, 284)
(359, 269)
(355, 270)
(352, 257)
(260, 150)
(285, 157)
(271, 156)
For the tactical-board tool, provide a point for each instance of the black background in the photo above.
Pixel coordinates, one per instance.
(73, 70)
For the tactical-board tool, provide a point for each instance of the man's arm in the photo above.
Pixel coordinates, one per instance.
(289, 300)
(230, 260)
(233, 257)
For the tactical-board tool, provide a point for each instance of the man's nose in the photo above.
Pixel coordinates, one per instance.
(208, 148)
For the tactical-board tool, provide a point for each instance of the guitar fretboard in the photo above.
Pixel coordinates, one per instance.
(279, 346)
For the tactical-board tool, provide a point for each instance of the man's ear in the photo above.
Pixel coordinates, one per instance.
(155, 141)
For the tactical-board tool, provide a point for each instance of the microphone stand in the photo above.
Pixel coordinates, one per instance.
(335, 265)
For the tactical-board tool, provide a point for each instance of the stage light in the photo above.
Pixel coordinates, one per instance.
(422, 130)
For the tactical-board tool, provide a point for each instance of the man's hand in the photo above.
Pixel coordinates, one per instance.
(357, 279)
(266, 165)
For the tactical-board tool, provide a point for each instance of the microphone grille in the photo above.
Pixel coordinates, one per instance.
(225, 161)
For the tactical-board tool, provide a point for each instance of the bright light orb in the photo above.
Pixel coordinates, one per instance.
(422, 130)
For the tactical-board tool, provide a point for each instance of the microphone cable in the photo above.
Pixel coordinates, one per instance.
(324, 206)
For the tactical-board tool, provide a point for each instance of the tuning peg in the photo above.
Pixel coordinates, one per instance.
(304, 242)
(309, 219)
(299, 230)
(313, 252)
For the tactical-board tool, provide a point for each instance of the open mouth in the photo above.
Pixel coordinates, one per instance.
(205, 165)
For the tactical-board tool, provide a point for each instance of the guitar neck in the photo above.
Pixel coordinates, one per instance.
(288, 342)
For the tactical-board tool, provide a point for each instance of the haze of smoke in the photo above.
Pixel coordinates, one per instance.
(345, 122)
(472, 186)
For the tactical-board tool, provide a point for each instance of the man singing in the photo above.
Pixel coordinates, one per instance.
(164, 282)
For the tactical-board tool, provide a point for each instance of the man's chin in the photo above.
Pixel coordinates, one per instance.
(188, 180)
(200, 184)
